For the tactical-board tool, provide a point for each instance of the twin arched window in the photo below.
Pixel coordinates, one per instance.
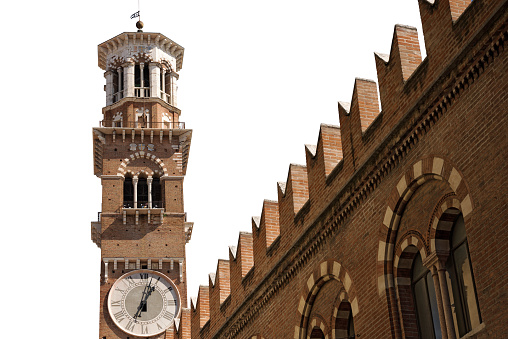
(142, 192)
(466, 312)
(461, 287)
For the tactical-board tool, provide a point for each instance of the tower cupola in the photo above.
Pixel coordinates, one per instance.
(140, 66)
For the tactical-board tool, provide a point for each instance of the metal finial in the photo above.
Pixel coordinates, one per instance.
(140, 25)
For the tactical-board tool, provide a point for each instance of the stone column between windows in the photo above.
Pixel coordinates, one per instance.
(109, 87)
(174, 87)
(119, 84)
(446, 299)
(163, 85)
(129, 79)
(435, 263)
(135, 184)
(442, 321)
(149, 182)
(155, 76)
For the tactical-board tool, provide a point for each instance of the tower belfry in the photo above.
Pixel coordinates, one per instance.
(140, 152)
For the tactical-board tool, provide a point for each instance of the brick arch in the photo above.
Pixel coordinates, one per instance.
(406, 251)
(122, 169)
(340, 318)
(441, 224)
(411, 243)
(318, 322)
(326, 271)
(147, 173)
(424, 170)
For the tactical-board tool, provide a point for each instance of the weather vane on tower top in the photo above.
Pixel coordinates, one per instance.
(139, 24)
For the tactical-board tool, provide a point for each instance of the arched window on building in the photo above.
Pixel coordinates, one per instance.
(425, 300)
(142, 192)
(344, 325)
(156, 193)
(128, 192)
(463, 299)
(317, 333)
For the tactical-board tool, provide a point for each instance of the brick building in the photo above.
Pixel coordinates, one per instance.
(395, 228)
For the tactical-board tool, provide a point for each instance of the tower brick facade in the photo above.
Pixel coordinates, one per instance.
(396, 225)
(140, 152)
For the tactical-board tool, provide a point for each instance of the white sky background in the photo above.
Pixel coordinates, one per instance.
(258, 79)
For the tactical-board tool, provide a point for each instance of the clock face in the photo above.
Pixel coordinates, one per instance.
(143, 303)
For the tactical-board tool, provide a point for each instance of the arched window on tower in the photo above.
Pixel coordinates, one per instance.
(425, 300)
(465, 310)
(141, 80)
(128, 192)
(142, 192)
(117, 84)
(156, 193)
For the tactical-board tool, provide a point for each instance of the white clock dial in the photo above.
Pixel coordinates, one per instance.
(143, 303)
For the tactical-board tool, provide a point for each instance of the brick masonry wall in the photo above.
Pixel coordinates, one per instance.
(154, 239)
(440, 138)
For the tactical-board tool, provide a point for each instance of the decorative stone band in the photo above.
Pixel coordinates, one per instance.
(326, 271)
(424, 170)
(138, 261)
(122, 169)
(411, 244)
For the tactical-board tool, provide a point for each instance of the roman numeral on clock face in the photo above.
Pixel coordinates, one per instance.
(119, 316)
(116, 303)
(129, 281)
(144, 329)
(168, 315)
(130, 326)
(143, 276)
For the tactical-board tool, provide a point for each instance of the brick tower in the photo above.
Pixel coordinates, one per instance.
(140, 152)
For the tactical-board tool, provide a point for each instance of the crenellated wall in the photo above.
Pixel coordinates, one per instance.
(336, 218)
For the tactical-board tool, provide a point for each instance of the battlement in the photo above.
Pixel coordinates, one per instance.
(349, 160)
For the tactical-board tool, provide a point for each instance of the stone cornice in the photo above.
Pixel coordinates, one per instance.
(156, 39)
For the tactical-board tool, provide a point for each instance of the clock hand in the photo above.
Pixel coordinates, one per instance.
(142, 302)
(147, 291)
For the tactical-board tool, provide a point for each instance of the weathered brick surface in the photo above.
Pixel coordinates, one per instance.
(439, 142)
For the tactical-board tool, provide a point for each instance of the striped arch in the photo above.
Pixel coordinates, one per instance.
(257, 337)
(443, 219)
(122, 169)
(326, 271)
(340, 318)
(405, 252)
(424, 170)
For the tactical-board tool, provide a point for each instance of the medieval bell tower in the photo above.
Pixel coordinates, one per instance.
(140, 153)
